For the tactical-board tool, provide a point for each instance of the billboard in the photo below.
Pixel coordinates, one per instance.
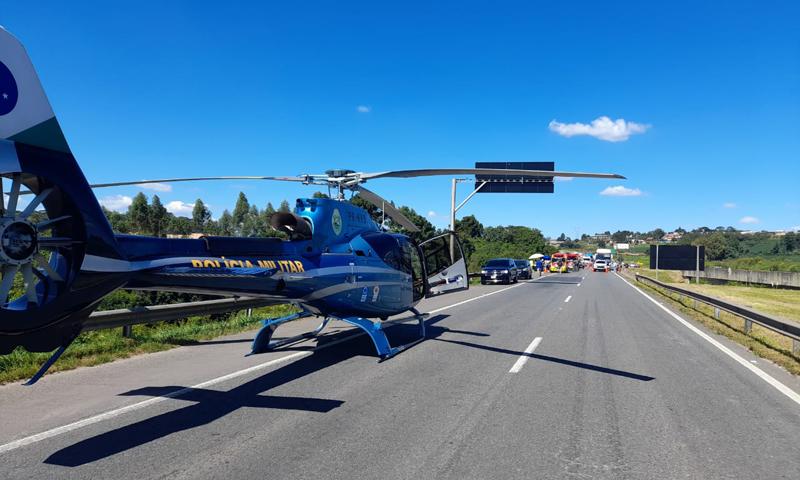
(677, 257)
(515, 183)
(622, 246)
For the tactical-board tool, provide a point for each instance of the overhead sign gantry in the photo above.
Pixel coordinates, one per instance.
(496, 183)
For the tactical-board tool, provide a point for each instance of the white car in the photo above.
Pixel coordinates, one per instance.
(600, 265)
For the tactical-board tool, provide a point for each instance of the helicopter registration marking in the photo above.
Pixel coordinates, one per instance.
(292, 266)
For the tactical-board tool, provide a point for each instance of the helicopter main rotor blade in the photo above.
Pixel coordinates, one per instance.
(430, 172)
(388, 208)
(197, 179)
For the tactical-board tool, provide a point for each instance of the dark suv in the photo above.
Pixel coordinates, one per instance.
(524, 270)
(499, 270)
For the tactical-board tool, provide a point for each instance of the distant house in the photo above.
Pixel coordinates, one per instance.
(600, 237)
(672, 236)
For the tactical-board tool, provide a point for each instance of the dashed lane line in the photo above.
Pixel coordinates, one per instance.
(525, 356)
(177, 393)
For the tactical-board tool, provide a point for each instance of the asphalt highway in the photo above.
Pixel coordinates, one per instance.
(575, 375)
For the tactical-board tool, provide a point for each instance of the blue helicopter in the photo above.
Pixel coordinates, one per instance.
(337, 263)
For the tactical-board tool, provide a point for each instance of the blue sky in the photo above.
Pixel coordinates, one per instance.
(161, 89)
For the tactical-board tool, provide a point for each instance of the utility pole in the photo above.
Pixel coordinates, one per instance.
(454, 208)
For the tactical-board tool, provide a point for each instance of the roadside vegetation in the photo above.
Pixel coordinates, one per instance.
(780, 302)
(103, 346)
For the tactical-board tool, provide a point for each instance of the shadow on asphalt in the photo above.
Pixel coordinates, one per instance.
(200, 343)
(562, 361)
(210, 405)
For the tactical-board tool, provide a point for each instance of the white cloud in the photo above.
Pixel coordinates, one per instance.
(363, 109)
(729, 205)
(796, 228)
(158, 187)
(119, 203)
(431, 214)
(602, 128)
(748, 219)
(179, 208)
(620, 191)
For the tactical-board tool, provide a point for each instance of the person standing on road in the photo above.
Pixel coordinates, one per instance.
(539, 266)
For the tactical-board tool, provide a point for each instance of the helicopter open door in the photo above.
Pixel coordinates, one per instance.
(445, 265)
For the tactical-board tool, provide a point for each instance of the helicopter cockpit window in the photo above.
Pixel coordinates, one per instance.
(438, 255)
(387, 249)
(412, 263)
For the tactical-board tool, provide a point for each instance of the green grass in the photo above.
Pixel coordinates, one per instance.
(779, 302)
(94, 348)
(772, 263)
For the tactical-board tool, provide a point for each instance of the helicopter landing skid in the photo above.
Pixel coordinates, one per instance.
(374, 329)
(263, 341)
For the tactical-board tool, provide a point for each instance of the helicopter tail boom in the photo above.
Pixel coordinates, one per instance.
(44, 237)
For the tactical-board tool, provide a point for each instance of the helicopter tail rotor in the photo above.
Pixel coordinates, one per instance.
(49, 218)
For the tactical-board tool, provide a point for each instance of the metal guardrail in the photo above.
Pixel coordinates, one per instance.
(160, 313)
(783, 327)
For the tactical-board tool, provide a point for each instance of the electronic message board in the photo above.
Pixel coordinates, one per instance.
(677, 257)
(515, 183)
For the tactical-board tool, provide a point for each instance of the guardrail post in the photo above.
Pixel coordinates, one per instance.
(249, 312)
(748, 326)
(796, 347)
(716, 313)
(127, 331)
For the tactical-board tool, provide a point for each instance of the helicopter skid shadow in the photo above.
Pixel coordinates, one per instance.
(210, 405)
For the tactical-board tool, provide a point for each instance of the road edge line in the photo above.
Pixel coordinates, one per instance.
(777, 384)
(53, 432)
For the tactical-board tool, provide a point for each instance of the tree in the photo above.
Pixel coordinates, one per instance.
(285, 208)
(139, 214)
(180, 225)
(201, 215)
(251, 227)
(240, 211)
(469, 227)
(621, 236)
(719, 245)
(512, 241)
(120, 222)
(226, 226)
(320, 195)
(426, 228)
(265, 216)
(562, 238)
(158, 217)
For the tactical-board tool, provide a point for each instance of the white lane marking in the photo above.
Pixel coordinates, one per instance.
(480, 296)
(568, 299)
(762, 374)
(525, 356)
(579, 284)
(177, 393)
